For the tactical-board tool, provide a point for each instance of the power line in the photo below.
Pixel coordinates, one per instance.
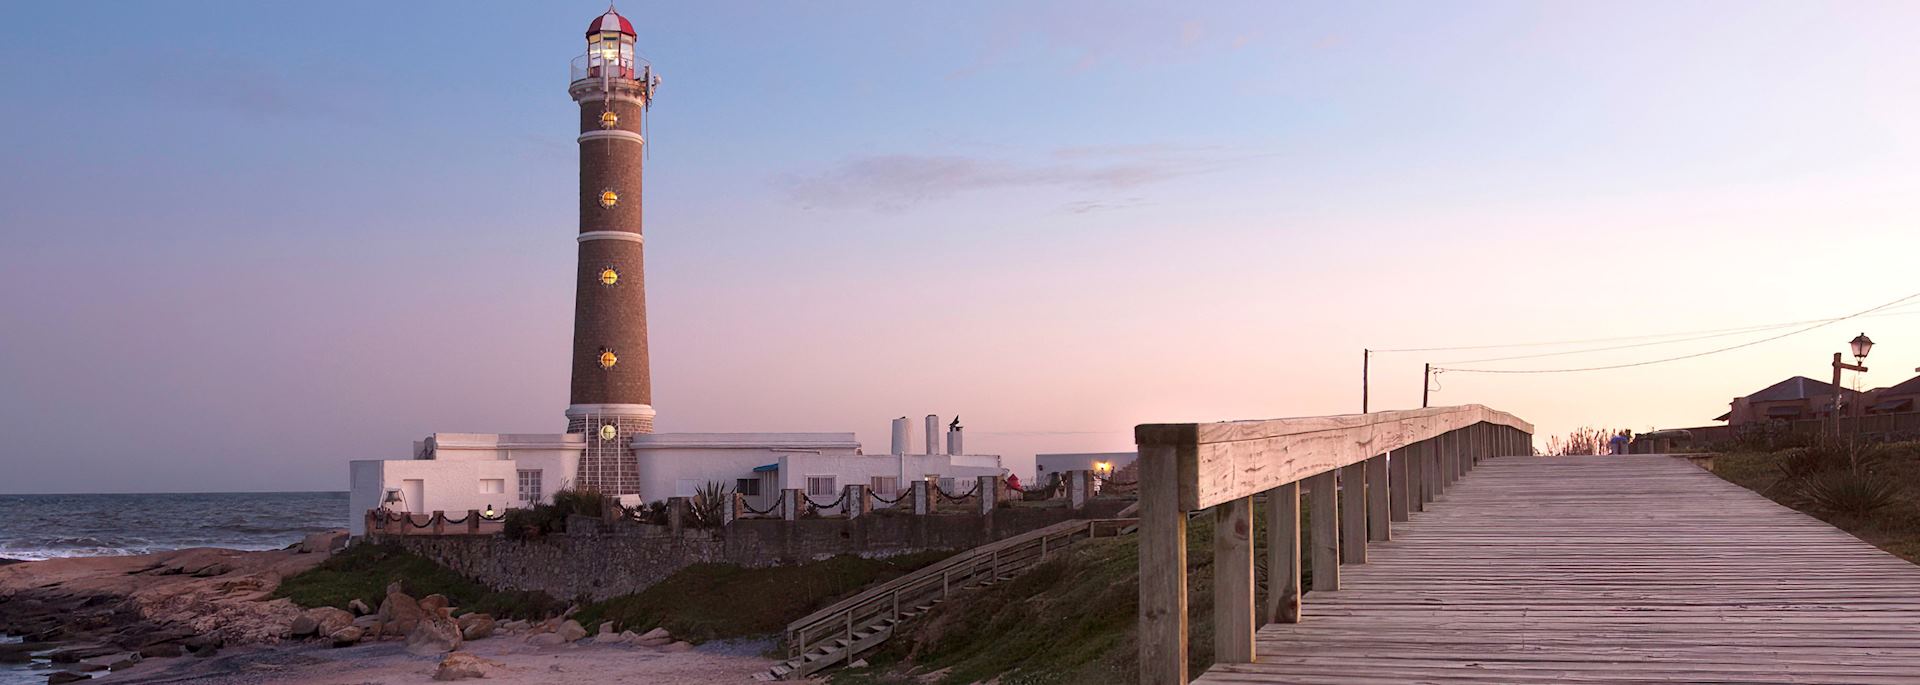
(1624, 347)
(1550, 343)
(1751, 343)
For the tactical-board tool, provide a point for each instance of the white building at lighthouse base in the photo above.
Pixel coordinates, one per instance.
(461, 472)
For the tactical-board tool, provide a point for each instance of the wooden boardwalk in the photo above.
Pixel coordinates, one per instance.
(1635, 569)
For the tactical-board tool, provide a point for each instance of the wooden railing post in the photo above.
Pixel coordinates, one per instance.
(1379, 491)
(1419, 490)
(1233, 598)
(1400, 506)
(1163, 568)
(1283, 554)
(1353, 513)
(1322, 491)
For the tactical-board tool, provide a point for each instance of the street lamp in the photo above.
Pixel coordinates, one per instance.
(1861, 346)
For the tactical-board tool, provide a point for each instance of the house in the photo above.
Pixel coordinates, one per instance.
(1898, 399)
(1795, 398)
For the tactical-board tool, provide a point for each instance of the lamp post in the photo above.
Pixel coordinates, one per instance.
(1861, 345)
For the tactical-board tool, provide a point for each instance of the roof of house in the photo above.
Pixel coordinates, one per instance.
(1910, 387)
(1795, 388)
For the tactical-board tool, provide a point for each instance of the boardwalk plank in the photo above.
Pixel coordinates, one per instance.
(1634, 569)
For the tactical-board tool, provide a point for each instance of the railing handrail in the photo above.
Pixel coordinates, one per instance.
(933, 571)
(1229, 460)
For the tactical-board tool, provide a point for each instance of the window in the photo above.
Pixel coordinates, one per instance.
(946, 484)
(747, 486)
(489, 486)
(821, 486)
(530, 486)
(885, 485)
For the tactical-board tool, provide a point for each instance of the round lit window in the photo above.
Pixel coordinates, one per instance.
(609, 198)
(609, 120)
(608, 276)
(608, 432)
(608, 359)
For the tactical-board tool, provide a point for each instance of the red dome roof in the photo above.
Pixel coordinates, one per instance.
(611, 21)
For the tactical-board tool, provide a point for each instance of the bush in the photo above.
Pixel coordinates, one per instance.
(1856, 493)
(540, 519)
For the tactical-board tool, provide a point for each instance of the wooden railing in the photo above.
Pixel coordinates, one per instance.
(933, 583)
(1190, 467)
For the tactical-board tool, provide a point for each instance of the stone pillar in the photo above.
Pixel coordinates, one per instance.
(856, 497)
(901, 427)
(736, 508)
(953, 443)
(790, 504)
(1079, 489)
(922, 498)
(933, 434)
(676, 514)
(987, 490)
(473, 521)
(439, 522)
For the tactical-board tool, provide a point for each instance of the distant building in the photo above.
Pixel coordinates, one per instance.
(1898, 399)
(1795, 398)
(609, 444)
(1046, 466)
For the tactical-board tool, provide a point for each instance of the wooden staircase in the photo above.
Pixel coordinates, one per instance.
(838, 633)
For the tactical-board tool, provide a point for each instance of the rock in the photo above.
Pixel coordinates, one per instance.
(476, 626)
(400, 614)
(394, 588)
(546, 640)
(682, 646)
(303, 626)
(327, 542)
(84, 666)
(346, 637)
(72, 655)
(462, 665)
(17, 653)
(571, 630)
(206, 650)
(629, 637)
(656, 634)
(162, 650)
(58, 677)
(606, 628)
(513, 626)
(432, 604)
(328, 619)
(113, 662)
(366, 622)
(358, 607)
(858, 663)
(434, 635)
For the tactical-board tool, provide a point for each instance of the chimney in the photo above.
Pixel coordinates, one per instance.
(901, 427)
(933, 434)
(953, 442)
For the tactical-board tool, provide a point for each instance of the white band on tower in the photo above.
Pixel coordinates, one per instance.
(614, 134)
(610, 235)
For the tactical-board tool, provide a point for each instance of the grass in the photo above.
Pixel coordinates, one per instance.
(363, 572)
(720, 601)
(1069, 621)
(1894, 528)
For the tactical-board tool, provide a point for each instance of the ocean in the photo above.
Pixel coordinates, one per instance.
(36, 527)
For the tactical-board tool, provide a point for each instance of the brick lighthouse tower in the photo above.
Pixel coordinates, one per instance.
(612, 395)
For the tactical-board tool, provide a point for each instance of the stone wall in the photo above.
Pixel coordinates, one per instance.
(630, 557)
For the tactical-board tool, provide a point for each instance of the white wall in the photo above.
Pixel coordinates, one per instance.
(450, 486)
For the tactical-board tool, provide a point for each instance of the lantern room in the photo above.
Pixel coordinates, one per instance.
(610, 47)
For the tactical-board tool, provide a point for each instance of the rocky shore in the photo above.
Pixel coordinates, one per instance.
(91, 614)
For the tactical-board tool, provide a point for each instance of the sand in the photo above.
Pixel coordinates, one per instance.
(389, 663)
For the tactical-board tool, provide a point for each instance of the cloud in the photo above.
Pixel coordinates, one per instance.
(896, 182)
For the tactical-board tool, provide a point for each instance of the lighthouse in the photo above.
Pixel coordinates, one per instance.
(612, 395)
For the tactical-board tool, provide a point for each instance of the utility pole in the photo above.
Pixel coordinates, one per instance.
(1366, 360)
(1426, 383)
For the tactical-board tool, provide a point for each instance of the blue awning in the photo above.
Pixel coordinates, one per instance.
(769, 467)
